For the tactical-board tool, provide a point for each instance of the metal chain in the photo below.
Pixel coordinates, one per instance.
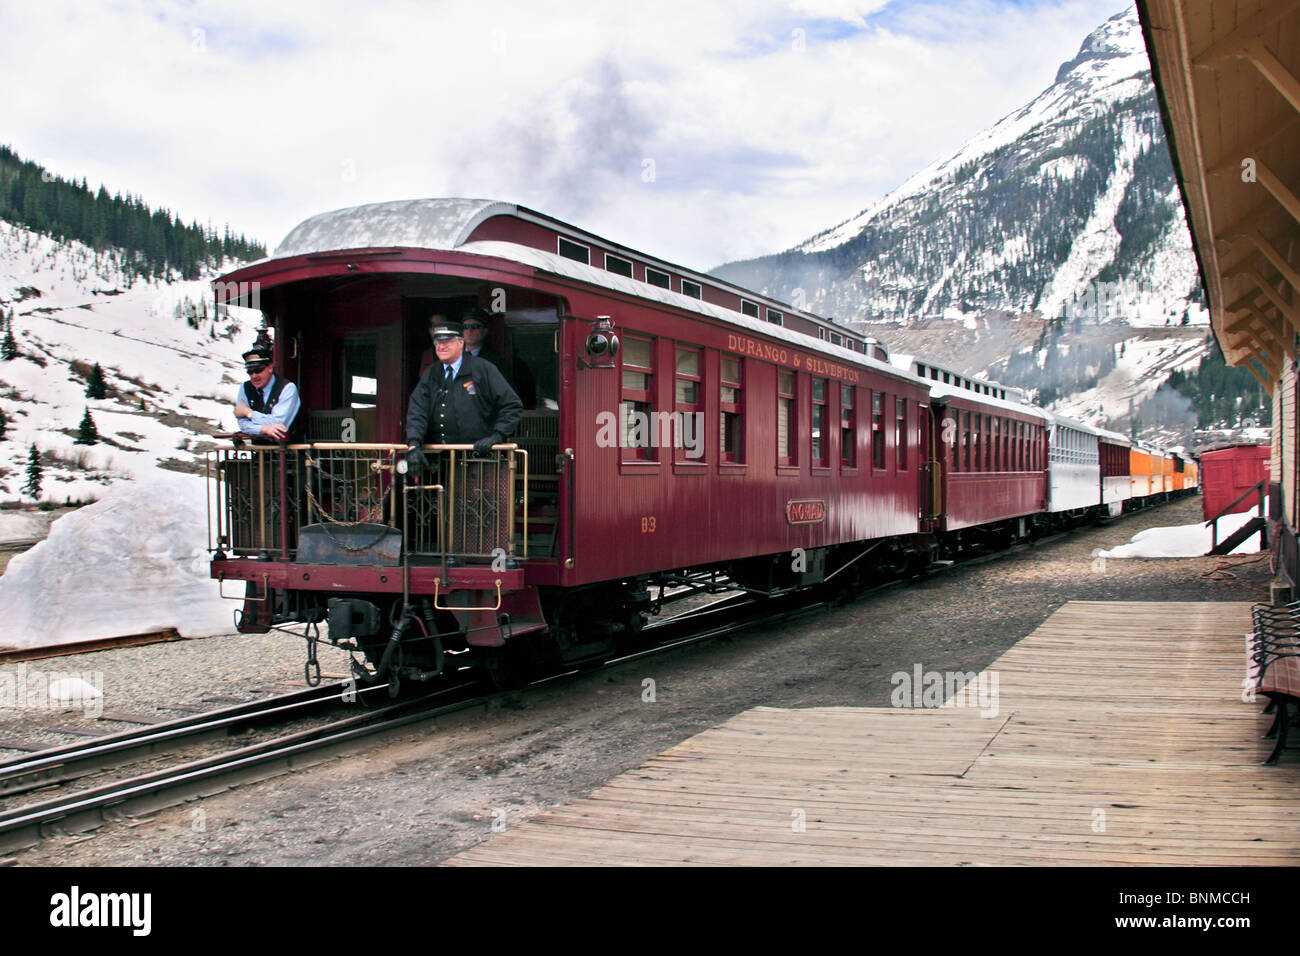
(312, 665)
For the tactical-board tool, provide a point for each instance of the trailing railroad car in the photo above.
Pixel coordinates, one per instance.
(1116, 482)
(1144, 473)
(678, 433)
(989, 484)
(1074, 469)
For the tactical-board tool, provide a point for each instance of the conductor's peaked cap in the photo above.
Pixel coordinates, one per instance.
(256, 359)
(446, 329)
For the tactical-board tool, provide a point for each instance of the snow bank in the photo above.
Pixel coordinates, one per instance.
(1184, 541)
(134, 561)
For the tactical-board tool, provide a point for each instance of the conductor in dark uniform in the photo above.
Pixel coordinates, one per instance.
(460, 400)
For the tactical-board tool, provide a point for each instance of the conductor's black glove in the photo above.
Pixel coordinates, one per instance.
(415, 462)
(484, 445)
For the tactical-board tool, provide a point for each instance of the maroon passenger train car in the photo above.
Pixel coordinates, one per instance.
(989, 460)
(677, 431)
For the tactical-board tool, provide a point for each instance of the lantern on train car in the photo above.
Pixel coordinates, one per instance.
(602, 344)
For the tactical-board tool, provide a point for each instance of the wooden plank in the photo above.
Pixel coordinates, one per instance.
(1129, 710)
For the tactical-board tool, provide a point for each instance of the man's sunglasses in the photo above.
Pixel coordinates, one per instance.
(473, 325)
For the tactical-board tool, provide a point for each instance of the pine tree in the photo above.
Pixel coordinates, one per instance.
(95, 387)
(9, 347)
(4, 424)
(87, 433)
(32, 487)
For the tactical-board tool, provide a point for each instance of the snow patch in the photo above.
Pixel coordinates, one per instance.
(1184, 541)
(133, 562)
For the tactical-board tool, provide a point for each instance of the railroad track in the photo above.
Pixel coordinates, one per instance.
(86, 809)
(65, 814)
(63, 764)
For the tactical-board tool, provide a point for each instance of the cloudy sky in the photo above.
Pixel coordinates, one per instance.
(699, 131)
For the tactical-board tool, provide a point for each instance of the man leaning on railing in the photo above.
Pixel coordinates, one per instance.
(460, 400)
(267, 406)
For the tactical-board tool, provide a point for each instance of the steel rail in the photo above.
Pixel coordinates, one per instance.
(60, 764)
(87, 809)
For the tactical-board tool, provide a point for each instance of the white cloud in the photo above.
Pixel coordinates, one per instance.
(765, 122)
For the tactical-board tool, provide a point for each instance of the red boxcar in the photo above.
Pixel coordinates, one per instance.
(1226, 473)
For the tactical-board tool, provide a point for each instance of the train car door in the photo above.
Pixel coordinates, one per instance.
(930, 491)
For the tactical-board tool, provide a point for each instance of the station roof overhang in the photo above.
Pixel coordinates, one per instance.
(1226, 72)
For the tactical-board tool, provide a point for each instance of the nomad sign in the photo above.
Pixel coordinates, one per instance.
(805, 511)
(784, 356)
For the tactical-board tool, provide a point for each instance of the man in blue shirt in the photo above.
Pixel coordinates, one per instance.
(266, 406)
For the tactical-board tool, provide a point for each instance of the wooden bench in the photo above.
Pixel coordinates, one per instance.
(1275, 673)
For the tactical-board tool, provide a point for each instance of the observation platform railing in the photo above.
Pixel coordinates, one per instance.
(350, 503)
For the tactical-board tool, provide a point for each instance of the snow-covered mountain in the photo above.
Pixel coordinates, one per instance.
(170, 362)
(1067, 207)
(1049, 252)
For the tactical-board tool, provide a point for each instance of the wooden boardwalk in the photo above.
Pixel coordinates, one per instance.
(1117, 736)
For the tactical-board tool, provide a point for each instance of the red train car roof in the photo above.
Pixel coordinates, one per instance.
(446, 225)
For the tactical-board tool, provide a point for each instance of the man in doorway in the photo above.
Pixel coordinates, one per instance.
(474, 322)
(460, 400)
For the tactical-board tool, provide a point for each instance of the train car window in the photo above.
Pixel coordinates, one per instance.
(900, 434)
(619, 265)
(848, 426)
(965, 442)
(982, 451)
(688, 398)
(837, 339)
(749, 308)
(575, 251)
(637, 405)
(691, 288)
(360, 383)
(775, 317)
(662, 279)
(732, 429)
(877, 430)
(820, 446)
(785, 419)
